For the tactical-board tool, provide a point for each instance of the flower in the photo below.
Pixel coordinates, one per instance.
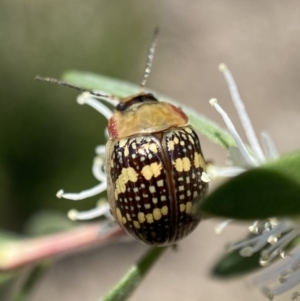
(271, 236)
(102, 207)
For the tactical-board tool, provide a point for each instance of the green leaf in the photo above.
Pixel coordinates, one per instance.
(8, 236)
(270, 190)
(233, 264)
(121, 88)
(47, 222)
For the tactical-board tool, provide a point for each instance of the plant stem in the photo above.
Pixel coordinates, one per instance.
(126, 286)
(19, 253)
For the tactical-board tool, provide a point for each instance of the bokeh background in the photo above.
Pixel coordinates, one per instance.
(47, 141)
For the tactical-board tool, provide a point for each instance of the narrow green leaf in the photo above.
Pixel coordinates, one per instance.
(47, 222)
(233, 264)
(8, 236)
(126, 286)
(270, 190)
(123, 89)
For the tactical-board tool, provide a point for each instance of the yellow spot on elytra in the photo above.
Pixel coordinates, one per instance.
(128, 216)
(152, 170)
(146, 146)
(132, 174)
(124, 220)
(157, 214)
(122, 142)
(189, 207)
(152, 189)
(127, 174)
(153, 148)
(188, 130)
(119, 215)
(141, 151)
(126, 151)
(183, 164)
(178, 165)
(191, 139)
(164, 210)
(182, 207)
(186, 164)
(141, 217)
(171, 145)
(176, 140)
(160, 183)
(136, 224)
(198, 161)
(149, 218)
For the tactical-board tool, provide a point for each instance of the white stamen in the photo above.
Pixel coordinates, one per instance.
(271, 273)
(294, 260)
(254, 227)
(89, 214)
(291, 282)
(256, 243)
(241, 146)
(280, 244)
(100, 150)
(86, 193)
(245, 120)
(86, 98)
(219, 229)
(97, 169)
(72, 214)
(60, 193)
(295, 295)
(269, 146)
(246, 252)
(267, 292)
(215, 172)
(112, 100)
(205, 178)
(236, 158)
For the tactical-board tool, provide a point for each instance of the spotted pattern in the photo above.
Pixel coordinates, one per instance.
(155, 182)
(187, 166)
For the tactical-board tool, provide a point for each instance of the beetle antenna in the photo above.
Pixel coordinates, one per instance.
(149, 59)
(62, 83)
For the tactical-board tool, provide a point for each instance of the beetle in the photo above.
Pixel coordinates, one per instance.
(154, 166)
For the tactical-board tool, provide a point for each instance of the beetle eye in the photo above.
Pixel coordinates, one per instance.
(121, 106)
(140, 98)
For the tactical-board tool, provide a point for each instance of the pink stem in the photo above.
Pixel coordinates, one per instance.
(15, 254)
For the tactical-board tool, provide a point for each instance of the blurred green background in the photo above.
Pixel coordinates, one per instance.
(47, 140)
